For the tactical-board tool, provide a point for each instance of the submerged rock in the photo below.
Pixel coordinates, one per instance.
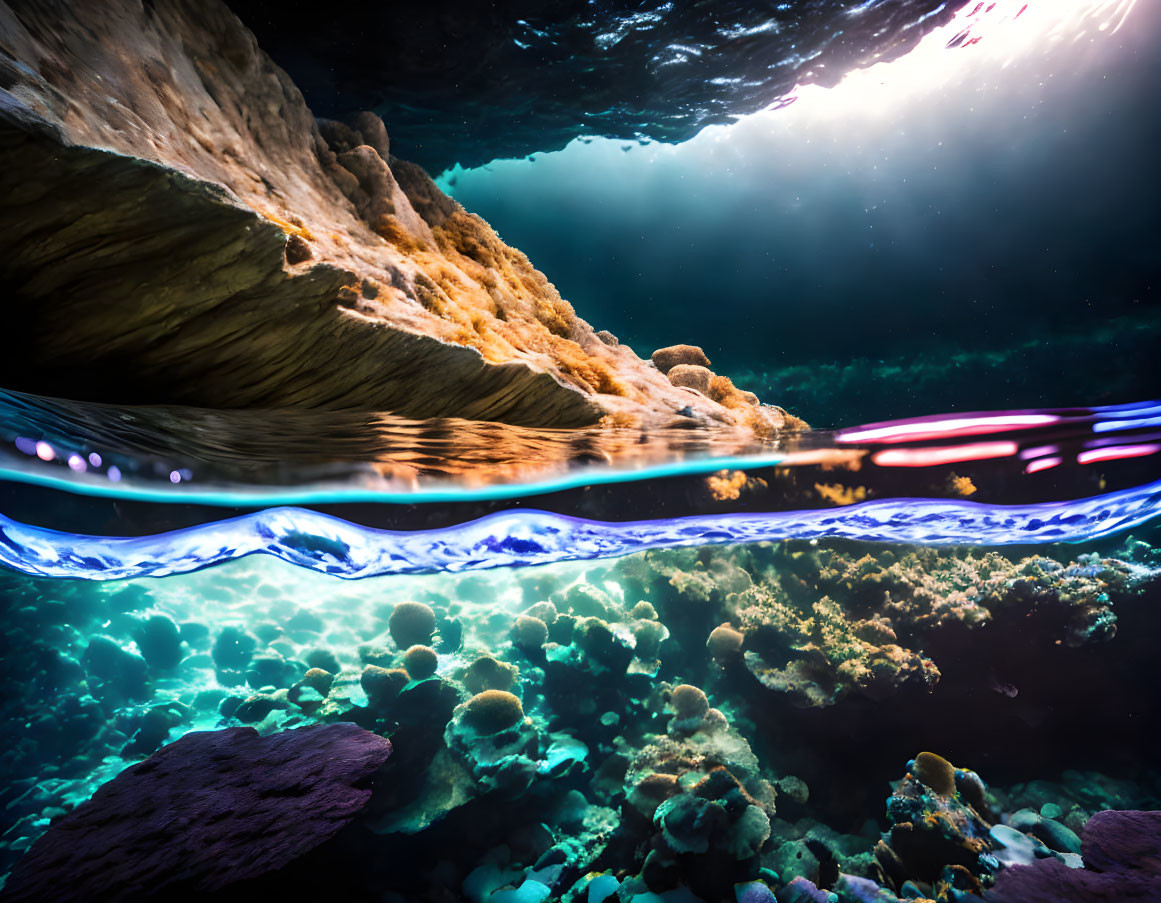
(159, 640)
(411, 624)
(160, 142)
(665, 359)
(206, 812)
(120, 669)
(420, 662)
(1122, 862)
(491, 712)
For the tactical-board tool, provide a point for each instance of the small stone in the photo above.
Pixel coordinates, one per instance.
(124, 671)
(382, 685)
(492, 711)
(648, 636)
(376, 655)
(305, 621)
(324, 660)
(318, 680)
(270, 670)
(487, 673)
(792, 860)
(195, 633)
(159, 640)
(725, 643)
(233, 649)
(254, 709)
(665, 359)
(411, 624)
(935, 772)
(754, 892)
(691, 376)
(420, 662)
(688, 703)
(793, 788)
(297, 250)
(545, 611)
(529, 633)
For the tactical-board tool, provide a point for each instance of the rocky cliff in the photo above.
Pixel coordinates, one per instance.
(178, 228)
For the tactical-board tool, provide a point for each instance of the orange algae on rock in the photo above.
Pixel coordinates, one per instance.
(492, 711)
(216, 160)
(420, 662)
(936, 772)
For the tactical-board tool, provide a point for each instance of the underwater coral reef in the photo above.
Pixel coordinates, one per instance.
(750, 722)
(341, 559)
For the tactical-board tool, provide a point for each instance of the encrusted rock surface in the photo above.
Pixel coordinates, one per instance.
(203, 813)
(1122, 862)
(178, 229)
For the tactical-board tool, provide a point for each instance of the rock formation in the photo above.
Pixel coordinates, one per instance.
(178, 228)
(1122, 861)
(205, 812)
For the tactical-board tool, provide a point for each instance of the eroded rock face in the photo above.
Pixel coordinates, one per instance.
(178, 229)
(208, 811)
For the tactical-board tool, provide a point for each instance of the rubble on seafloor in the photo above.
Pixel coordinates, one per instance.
(716, 723)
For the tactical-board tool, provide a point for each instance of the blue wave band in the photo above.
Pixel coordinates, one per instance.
(519, 538)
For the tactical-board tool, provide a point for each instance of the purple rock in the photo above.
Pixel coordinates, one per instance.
(1123, 841)
(212, 809)
(753, 892)
(1122, 857)
(802, 890)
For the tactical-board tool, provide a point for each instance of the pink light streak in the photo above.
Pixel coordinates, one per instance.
(1042, 464)
(929, 457)
(954, 426)
(1116, 452)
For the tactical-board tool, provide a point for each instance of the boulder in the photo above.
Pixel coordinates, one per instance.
(208, 811)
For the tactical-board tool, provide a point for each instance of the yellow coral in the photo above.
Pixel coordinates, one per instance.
(961, 485)
(838, 494)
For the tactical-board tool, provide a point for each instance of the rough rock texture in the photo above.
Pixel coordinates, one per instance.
(212, 809)
(178, 229)
(1122, 863)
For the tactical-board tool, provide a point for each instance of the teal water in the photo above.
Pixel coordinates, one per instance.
(906, 660)
(843, 605)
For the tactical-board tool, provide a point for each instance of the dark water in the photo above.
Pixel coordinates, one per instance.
(522, 77)
(957, 241)
(859, 663)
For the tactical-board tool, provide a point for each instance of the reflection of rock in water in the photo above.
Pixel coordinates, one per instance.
(179, 229)
(296, 445)
(577, 730)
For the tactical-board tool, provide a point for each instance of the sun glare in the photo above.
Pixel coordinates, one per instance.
(982, 37)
